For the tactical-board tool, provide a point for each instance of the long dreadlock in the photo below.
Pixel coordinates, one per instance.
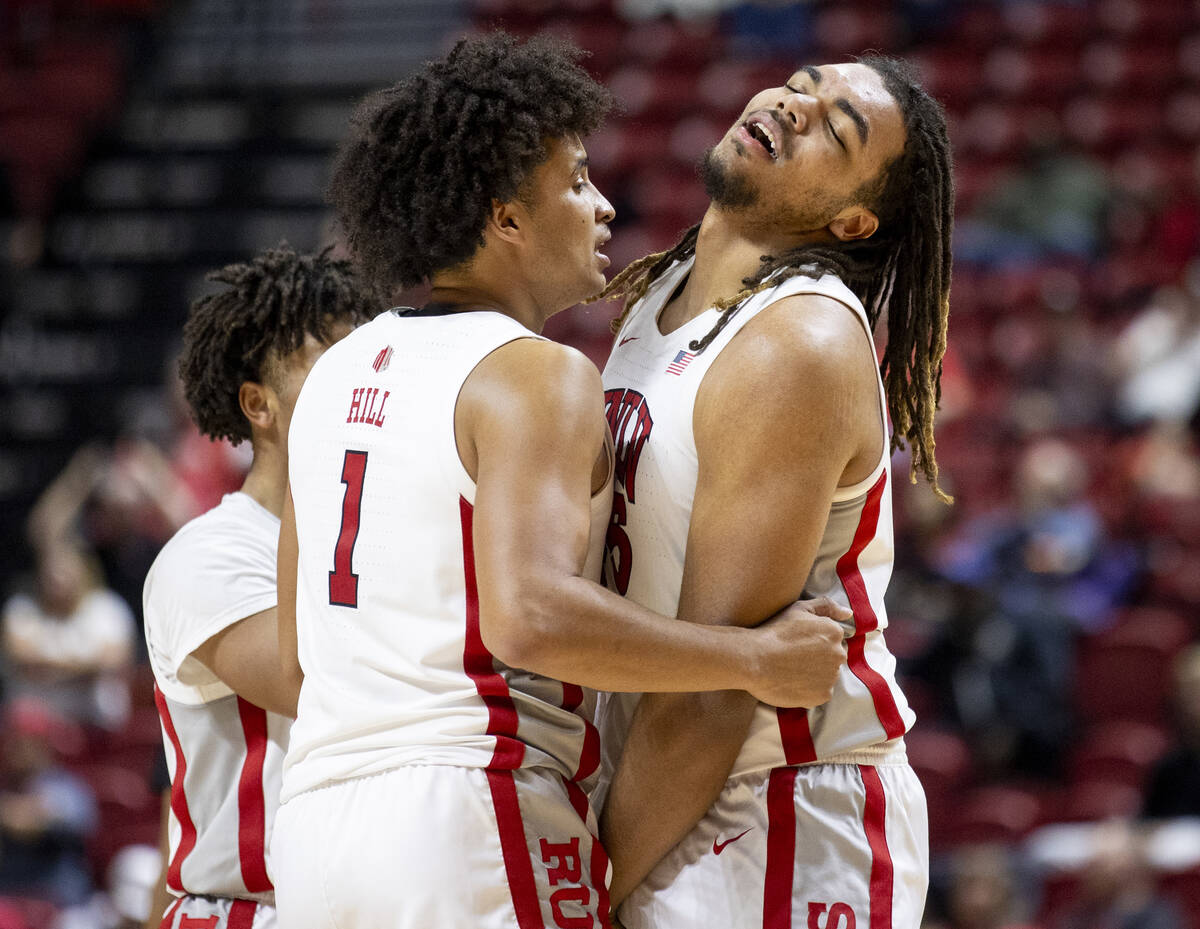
(903, 270)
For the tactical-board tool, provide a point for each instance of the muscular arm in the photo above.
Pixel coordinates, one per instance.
(251, 655)
(530, 428)
(787, 412)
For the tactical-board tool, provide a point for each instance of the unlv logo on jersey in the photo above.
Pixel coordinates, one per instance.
(630, 422)
(629, 419)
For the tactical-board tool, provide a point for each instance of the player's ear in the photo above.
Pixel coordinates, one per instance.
(506, 220)
(256, 402)
(855, 222)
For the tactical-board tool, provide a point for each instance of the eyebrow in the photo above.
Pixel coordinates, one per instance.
(581, 163)
(860, 121)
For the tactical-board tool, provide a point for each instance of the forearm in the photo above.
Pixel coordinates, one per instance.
(677, 757)
(575, 630)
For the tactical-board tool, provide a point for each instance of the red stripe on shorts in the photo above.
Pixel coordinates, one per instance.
(252, 813)
(169, 916)
(179, 805)
(480, 667)
(874, 825)
(517, 866)
(781, 849)
(241, 914)
(598, 865)
(865, 619)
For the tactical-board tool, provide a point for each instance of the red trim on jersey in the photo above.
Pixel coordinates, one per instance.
(865, 620)
(169, 916)
(781, 849)
(517, 865)
(882, 870)
(252, 813)
(480, 667)
(241, 914)
(589, 756)
(179, 805)
(795, 734)
(598, 865)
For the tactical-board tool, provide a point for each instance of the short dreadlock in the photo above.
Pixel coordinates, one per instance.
(414, 182)
(903, 269)
(233, 336)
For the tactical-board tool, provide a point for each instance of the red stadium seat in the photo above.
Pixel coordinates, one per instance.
(1097, 800)
(1124, 672)
(997, 813)
(1119, 752)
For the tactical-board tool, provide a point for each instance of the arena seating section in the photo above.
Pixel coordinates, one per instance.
(150, 156)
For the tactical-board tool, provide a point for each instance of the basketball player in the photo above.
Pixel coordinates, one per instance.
(210, 595)
(745, 376)
(451, 482)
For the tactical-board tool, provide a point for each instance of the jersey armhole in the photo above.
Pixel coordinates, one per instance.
(857, 489)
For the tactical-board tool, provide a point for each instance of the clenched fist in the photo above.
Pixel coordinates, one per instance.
(800, 651)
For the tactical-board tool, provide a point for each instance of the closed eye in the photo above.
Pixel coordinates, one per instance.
(833, 132)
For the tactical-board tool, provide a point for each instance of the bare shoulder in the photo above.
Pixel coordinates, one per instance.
(533, 385)
(806, 345)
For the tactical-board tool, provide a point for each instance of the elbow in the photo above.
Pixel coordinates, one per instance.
(518, 627)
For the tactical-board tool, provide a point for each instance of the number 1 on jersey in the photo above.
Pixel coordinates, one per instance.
(343, 582)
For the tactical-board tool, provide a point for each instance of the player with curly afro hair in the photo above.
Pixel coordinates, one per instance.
(272, 305)
(446, 527)
(415, 181)
(210, 597)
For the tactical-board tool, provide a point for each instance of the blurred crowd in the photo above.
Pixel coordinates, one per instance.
(1046, 623)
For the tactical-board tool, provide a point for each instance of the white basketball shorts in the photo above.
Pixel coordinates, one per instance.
(218, 913)
(822, 846)
(428, 846)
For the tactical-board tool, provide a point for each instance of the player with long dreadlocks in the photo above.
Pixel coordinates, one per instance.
(751, 424)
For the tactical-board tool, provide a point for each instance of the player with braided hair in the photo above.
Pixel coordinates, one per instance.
(451, 482)
(210, 596)
(751, 423)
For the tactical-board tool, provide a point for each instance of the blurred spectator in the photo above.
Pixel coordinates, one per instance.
(1052, 204)
(46, 813)
(1156, 358)
(71, 642)
(1173, 787)
(125, 903)
(983, 892)
(1117, 890)
(1030, 579)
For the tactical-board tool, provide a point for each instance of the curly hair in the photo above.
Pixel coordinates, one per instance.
(272, 303)
(902, 271)
(414, 182)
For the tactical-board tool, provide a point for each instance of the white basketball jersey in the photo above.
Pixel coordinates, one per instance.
(225, 755)
(387, 613)
(650, 383)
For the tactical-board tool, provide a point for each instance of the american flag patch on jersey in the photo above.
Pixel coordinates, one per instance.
(682, 360)
(383, 359)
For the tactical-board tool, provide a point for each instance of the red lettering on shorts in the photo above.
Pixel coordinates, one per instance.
(834, 919)
(578, 895)
(194, 922)
(569, 866)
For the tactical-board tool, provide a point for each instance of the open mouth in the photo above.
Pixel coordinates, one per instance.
(757, 129)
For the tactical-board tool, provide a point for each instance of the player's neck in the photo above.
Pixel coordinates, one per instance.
(725, 257)
(266, 481)
(470, 292)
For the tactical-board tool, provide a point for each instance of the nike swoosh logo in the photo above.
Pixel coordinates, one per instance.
(719, 847)
(628, 338)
